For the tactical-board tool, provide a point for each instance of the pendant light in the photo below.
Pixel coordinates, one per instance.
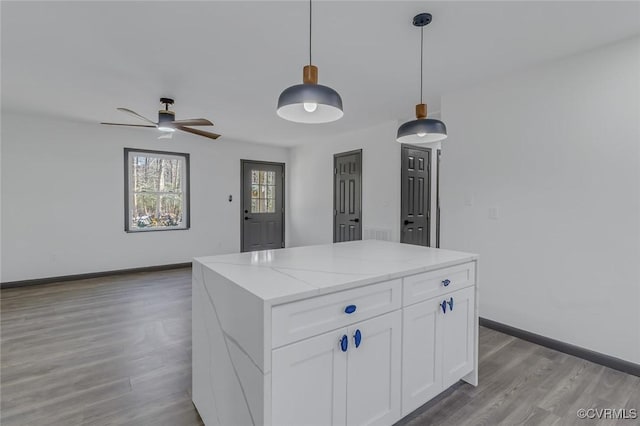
(310, 102)
(423, 129)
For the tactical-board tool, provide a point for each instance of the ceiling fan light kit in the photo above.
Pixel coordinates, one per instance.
(423, 129)
(310, 102)
(166, 117)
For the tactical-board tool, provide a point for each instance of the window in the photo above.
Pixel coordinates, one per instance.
(157, 190)
(263, 191)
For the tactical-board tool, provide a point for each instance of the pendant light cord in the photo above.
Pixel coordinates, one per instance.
(421, 59)
(309, 32)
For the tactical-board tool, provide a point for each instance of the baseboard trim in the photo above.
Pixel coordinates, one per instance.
(76, 277)
(589, 355)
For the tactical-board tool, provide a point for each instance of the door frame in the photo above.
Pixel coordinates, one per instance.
(438, 157)
(335, 176)
(428, 198)
(284, 191)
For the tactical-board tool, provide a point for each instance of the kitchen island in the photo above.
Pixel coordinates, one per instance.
(354, 333)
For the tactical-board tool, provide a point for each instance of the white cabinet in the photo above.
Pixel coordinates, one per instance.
(373, 371)
(301, 319)
(350, 334)
(421, 354)
(428, 285)
(327, 381)
(438, 346)
(458, 336)
(309, 381)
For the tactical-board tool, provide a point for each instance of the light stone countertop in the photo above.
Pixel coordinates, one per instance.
(285, 275)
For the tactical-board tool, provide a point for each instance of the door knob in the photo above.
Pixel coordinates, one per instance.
(354, 220)
(247, 218)
(407, 222)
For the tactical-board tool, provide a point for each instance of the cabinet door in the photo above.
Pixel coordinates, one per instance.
(309, 381)
(373, 371)
(421, 354)
(458, 336)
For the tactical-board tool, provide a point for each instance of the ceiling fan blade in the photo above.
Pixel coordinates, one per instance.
(198, 132)
(135, 114)
(193, 122)
(129, 125)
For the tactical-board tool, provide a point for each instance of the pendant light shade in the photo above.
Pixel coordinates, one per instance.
(310, 102)
(423, 129)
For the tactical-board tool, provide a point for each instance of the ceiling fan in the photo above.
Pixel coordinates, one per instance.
(167, 122)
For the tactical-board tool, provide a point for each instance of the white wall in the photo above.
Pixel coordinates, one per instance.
(311, 183)
(556, 150)
(63, 201)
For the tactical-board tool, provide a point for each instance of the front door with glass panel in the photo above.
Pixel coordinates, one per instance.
(262, 208)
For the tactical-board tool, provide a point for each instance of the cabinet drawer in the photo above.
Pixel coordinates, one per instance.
(298, 320)
(432, 284)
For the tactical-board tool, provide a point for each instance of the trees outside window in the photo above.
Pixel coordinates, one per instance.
(156, 190)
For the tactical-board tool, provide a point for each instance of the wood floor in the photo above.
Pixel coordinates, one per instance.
(117, 350)
(101, 351)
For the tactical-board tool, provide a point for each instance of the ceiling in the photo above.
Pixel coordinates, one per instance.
(229, 61)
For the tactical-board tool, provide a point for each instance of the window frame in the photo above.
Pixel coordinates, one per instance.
(129, 192)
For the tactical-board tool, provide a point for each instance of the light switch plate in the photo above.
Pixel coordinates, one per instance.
(493, 213)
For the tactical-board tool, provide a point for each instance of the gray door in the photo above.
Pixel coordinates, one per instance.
(347, 196)
(262, 208)
(415, 195)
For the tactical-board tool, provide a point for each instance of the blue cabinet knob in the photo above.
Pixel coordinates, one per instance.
(357, 338)
(344, 343)
(350, 309)
(443, 305)
(446, 282)
(450, 302)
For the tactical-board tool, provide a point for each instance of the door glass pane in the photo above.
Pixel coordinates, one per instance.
(263, 191)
